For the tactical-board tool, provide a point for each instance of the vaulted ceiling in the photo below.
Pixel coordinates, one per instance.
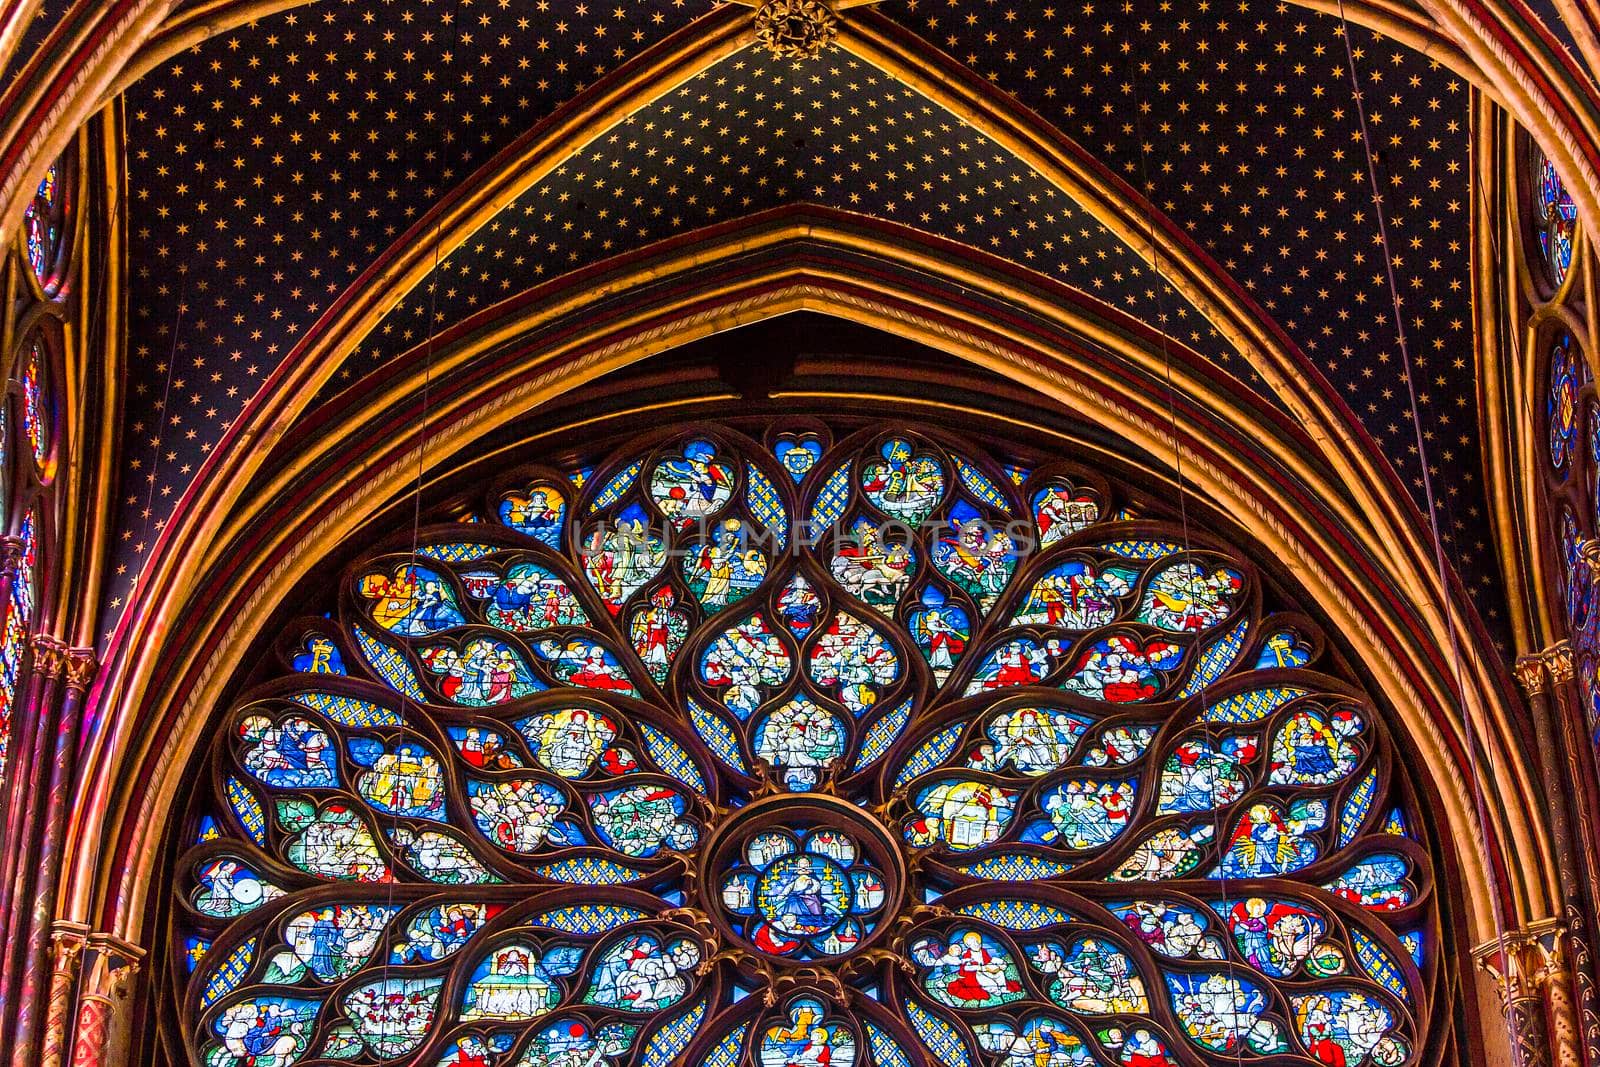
(272, 165)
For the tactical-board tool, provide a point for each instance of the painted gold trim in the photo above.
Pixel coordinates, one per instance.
(1056, 372)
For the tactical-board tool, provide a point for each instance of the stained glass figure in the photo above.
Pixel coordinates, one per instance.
(1555, 218)
(44, 224)
(1562, 406)
(902, 793)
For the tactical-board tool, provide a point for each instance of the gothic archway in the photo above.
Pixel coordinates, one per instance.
(913, 670)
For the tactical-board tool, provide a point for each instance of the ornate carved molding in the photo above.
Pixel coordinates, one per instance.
(49, 656)
(1558, 661)
(796, 29)
(82, 665)
(1531, 674)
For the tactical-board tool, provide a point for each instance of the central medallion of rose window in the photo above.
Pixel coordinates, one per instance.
(803, 877)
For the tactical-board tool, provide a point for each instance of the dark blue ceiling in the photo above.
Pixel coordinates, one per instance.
(270, 166)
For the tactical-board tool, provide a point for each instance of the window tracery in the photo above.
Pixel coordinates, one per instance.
(812, 747)
(26, 414)
(44, 223)
(1554, 217)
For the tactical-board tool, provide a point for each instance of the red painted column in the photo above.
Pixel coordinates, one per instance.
(110, 967)
(43, 696)
(80, 665)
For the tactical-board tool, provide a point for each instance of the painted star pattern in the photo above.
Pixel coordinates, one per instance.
(45, 17)
(751, 133)
(267, 166)
(1237, 119)
(274, 162)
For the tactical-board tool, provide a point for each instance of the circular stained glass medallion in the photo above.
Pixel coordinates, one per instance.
(804, 878)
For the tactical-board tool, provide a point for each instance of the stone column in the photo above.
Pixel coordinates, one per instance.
(103, 1001)
(1507, 962)
(17, 773)
(32, 1001)
(1555, 978)
(1538, 675)
(67, 942)
(43, 685)
(1568, 749)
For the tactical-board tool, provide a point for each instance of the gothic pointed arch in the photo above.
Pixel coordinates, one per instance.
(694, 711)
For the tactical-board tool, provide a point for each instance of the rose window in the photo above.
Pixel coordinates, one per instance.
(795, 745)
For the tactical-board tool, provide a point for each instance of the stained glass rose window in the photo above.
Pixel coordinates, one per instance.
(793, 748)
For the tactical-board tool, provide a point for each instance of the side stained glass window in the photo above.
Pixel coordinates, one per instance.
(1572, 485)
(35, 404)
(44, 226)
(1555, 218)
(786, 747)
(18, 615)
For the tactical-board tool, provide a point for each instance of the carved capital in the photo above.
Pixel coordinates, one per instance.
(1558, 661)
(1548, 950)
(49, 656)
(115, 963)
(1531, 674)
(82, 664)
(67, 941)
(1532, 968)
(1513, 962)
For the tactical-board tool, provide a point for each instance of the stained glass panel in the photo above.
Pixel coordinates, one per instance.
(42, 224)
(1555, 218)
(18, 614)
(671, 787)
(1562, 405)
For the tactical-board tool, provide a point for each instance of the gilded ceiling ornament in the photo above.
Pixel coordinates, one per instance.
(796, 29)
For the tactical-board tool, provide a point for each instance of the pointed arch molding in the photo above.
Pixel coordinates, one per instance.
(99, 49)
(1332, 522)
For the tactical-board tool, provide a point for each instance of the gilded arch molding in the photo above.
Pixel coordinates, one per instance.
(495, 372)
(408, 262)
(1496, 47)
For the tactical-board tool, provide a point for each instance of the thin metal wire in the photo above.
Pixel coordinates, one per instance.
(408, 706)
(1188, 551)
(1440, 564)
